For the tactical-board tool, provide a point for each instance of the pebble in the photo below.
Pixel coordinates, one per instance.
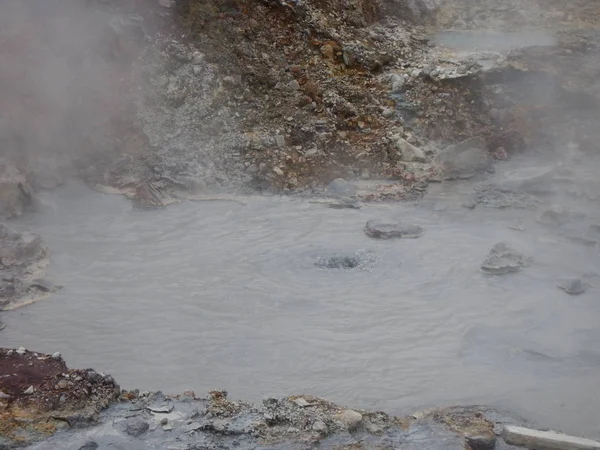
(21, 351)
(3, 395)
(56, 355)
(388, 113)
(278, 171)
(89, 445)
(168, 426)
(197, 70)
(350, 418)
(294, 85)
(29, 390)
(197, 58)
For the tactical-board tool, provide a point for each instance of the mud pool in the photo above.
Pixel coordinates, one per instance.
(230, 294)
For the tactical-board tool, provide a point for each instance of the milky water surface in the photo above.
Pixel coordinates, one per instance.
(226, 294)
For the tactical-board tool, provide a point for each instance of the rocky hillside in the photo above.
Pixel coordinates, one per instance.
(177, 98)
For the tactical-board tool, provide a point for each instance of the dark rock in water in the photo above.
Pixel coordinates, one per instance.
(381, 230)
(574, 287)
(341, 188)
(338, 262)
(136, 427)
(2, 325)
(89, 445)
(463, 160)
(504, 259)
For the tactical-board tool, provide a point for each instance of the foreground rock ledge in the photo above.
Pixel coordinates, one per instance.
(45, 405)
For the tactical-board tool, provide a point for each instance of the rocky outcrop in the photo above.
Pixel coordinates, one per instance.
(383, 230)
(23, 261)
(16, 195)
(463, 160)
(47, 406)
(40, 395)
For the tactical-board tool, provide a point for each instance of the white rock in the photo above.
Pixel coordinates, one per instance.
(280, 140)
(388, 113)
(21, 351)
(350, 418)
(4, 396)
(278, 171)
(294, 85)
(546, 440)
(29, 390)
(197, 70)
(165, 3)
(56, 355)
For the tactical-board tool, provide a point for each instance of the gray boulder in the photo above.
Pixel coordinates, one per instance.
(463, 160)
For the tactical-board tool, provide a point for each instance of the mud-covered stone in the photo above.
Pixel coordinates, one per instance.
(383, 230)
(574, 287)
(504, 259)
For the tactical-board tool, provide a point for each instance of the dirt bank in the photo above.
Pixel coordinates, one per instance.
(40, 397)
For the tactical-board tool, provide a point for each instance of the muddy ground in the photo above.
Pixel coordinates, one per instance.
(43, 401)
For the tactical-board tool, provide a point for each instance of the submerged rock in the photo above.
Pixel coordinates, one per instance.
(574, 287)
(463, 160)
(504, 259)
(381, 230)
(338, 262)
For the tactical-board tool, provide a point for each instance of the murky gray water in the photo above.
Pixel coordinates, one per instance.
(226, 295)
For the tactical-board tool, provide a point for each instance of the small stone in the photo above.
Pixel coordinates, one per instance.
(301, 402)
(327, 51)
(197, 58)
(252, 169)
(280, 140)
(311, 152)
(168, 426)
(462, 70)
(364, 174)
(280, 86)
(504, 259)
(56, 355)
(21, 351)
(62, 384)
(197, 70)
(29, 390)
(164, 421)
(351, 419)
(397, 82)
(165, 409)
(165, 3)
(278, 171)
(294, 85)
(320, 427)
(388, 113)
(136, 427)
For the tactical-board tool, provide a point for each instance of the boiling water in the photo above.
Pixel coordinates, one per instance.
(226, 294)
